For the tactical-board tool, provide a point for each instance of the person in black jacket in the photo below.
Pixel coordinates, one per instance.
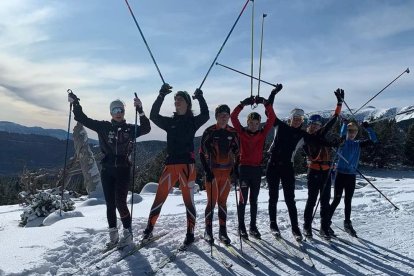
(180, 160)
(116, 139)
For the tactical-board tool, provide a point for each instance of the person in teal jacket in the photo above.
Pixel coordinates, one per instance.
(346, 169)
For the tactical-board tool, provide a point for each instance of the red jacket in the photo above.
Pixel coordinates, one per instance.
(251, 144)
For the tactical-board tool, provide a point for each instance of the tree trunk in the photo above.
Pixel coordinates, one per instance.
(90, 171)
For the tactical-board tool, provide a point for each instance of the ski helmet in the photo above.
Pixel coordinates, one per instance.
(186, 97)
(254, 116)
(315, 119)
(116, 104)
(223, 108)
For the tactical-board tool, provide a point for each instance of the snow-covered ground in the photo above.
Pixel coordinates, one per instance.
(69, 245)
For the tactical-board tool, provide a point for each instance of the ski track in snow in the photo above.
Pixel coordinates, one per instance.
(78, 241)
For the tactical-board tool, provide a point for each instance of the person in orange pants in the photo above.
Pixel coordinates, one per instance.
(179, 164)
(218, 152)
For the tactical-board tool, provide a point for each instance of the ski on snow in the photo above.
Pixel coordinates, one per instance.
(230, 248)
(168, 259)
(219, 256)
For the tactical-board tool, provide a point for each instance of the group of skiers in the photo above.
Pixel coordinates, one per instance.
(225, 150)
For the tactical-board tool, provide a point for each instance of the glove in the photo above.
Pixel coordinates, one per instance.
(345, 121)
(73, 99)
(340, 94)
(277, 89)
(198, 94)
(209, 176)
(365, 124)
(138, 105)
(260, 100)
(248, 101)
(165, 90)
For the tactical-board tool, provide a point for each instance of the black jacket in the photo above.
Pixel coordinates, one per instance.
(180, 130)
(115, 139)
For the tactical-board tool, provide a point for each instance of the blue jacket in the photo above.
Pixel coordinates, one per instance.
(351, 150)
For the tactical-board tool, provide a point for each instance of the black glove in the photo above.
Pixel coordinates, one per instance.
(73, 99)
(340, 94)
(165, 90)
(365, 124)
(248, 101)
(198, 94)
(209, 176)
(260, 100)
(277, 88)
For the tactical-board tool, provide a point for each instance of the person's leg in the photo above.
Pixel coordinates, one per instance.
(187, 176)
(108, 185)
(273, 180)
(255, 181)
(314, 178)
(223, 187)
(288, 184)
(325, 196)
(338, 190)
(211, 190)
(349, 193)
(122, 185)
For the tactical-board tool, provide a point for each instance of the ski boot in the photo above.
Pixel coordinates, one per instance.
(296, 233)
(126, 238)
(243, 232)
(324, 233)
(113, 238)
(274, 229)
(254, 232)
(307, 232)
(208, 235)
(223, 235)
(349, 229)
(189, 239)
(147, 234)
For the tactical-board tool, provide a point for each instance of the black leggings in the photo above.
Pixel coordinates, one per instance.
(115, 183)
(276, 173)
(250, 178)
(343, 182)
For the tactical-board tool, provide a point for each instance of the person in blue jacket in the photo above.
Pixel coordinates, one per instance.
(346, 169)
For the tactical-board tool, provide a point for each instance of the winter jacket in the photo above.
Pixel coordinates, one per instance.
(350, 151)
(219, 147)
(252, 143)
(318, 151)
(180, 130)
(115, 138)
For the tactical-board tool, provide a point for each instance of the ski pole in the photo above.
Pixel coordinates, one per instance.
(252, 53)
(237, 71)
(237, 209)
(221, 48)
(211, 208)
(389, 117)
(133, 161)
(260, 59)
(145, 41)
(363, 176)
(66, 156)
(405, 71)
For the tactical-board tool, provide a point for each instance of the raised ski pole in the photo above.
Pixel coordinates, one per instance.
(237, 71)
(252, 54)
(405, 71)
(135, 152)
(145, 41)
(66, 156)
(260, 59)
(363, 176)
(224, 43)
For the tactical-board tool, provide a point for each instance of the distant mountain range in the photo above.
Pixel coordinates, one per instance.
(57, 133)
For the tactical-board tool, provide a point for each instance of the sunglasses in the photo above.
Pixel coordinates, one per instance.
(352, 130)
(117, 110)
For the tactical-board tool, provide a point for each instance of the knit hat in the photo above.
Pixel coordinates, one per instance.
(254, 116)
(315, 119)
(117, 103)
(186, 97)
(297, 112)
(223, 108)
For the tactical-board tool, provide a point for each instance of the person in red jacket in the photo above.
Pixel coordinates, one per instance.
(218, 152)
(252, 139)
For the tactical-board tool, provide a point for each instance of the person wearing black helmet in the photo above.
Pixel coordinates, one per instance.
(252, 139)
(319, 167)
(219, 150)
(180, 160)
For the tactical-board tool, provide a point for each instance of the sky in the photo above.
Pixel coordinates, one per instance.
(71, 242)
(94, 48)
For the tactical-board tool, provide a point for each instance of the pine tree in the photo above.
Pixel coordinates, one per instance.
(409, 146)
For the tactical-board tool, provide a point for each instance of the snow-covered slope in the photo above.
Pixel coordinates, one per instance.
(70, 244)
